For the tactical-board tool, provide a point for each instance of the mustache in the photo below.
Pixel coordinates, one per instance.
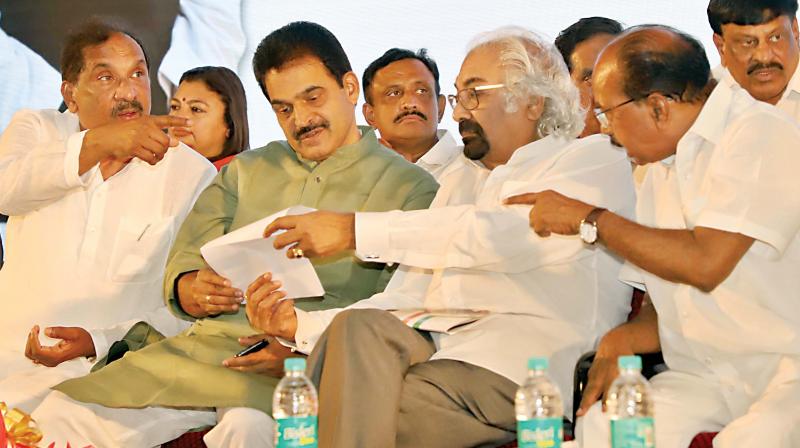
(298, 134)
(759, 66)
(410, 112)
(125, 106)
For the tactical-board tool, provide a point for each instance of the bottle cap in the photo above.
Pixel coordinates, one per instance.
(294, 364)
(630, 362)
(537, 363)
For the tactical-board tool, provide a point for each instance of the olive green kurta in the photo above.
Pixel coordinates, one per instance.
(186, 370)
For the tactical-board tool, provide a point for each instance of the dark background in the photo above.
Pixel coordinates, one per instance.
(43, 24)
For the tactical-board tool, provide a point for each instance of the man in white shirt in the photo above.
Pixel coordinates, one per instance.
(518, 114)
(717, 254)
(95, 196)
(404, 102)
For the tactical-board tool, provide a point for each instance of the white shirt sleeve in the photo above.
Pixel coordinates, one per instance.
(36, 170)
(495, 237)
(754, 182)
(161, 319)
(311, 325)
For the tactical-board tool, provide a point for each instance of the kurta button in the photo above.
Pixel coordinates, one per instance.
(318, 179)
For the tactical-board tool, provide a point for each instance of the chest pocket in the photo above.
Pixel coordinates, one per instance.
(140, 250)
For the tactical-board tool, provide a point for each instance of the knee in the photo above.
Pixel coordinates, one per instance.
(778, 428)
(359, 321)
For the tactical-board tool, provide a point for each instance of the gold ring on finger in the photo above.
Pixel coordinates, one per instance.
(208, 299)
(297, 252)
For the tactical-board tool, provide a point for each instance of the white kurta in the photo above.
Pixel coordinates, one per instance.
(731, 351)
(550, 296)
(82, 251)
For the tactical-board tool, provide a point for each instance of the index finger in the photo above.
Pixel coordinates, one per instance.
(170, 121)
(209, 276)
(282, 223)
(526, 198)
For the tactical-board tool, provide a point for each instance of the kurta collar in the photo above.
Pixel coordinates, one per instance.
(342, 157)
(442, 151)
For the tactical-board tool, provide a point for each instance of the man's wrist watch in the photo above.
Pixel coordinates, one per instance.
(588, 226)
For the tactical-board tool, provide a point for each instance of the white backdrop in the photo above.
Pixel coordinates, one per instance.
(368, 28)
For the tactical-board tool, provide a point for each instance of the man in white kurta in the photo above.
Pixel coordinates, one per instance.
(84, 251)
(727, 305)
(547, 297)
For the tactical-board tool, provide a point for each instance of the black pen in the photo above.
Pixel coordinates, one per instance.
(253, 348)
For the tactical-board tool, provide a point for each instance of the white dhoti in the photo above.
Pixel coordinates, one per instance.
(686, 405)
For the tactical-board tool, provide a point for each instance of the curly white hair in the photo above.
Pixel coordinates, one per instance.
(534, 68)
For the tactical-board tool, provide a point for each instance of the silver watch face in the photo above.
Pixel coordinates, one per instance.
(588, 232)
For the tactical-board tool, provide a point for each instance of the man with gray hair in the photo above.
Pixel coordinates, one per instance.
(518, 114)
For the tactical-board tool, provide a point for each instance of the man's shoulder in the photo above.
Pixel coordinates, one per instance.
(43, 117)
(591, 151)
(187, 157)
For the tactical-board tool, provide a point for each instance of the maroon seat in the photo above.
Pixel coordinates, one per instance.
(188, 440)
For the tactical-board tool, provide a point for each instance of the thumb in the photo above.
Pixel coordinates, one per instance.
(173, 142)
(66, 333)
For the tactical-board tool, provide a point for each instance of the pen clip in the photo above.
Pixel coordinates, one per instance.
(143, 231)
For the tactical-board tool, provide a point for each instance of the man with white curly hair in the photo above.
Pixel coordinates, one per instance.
(385, 384)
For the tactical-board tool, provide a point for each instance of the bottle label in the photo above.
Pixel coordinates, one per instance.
(635, 432)
(540, 433)
(294, 432)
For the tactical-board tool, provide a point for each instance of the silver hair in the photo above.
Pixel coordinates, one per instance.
(534, 68)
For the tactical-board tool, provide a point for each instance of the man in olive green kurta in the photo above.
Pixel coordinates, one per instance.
(187, 371)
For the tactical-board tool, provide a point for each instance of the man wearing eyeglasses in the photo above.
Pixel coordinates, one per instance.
(404, 103)
(519, 115)
(579, 45)
(716, 251)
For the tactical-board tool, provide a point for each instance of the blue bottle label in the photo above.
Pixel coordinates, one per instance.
(635, 432)
(294, 432)
(540, 433)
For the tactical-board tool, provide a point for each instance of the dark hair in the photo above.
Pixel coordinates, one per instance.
(582, 30)
(229, 87)
(747, 12)
(294, 41)
(94, 31)
(679, 68)
(394, 55)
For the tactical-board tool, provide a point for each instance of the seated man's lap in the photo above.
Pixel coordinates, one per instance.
(685, 405)
(64, 420)
(26, 388)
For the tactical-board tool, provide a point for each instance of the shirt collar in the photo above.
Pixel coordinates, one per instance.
(443, 151)
(713, 118)
(344, 155)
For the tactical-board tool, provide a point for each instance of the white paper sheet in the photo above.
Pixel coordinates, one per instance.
(244, 254)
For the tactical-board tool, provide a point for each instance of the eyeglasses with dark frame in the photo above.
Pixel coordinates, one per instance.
(468, 98)
(602, 114)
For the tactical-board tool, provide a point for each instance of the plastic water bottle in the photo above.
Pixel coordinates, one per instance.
(630, 406)
(294, 407)
(539, 409)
